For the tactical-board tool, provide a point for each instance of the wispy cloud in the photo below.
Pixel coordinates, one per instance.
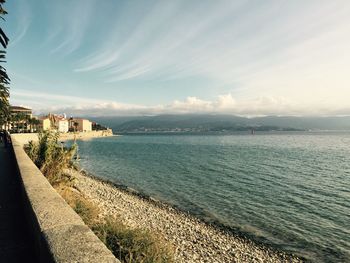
(23, 19)
(268, 49)
(162, 38)
(58, 98)
(271, 57)
(69, 25)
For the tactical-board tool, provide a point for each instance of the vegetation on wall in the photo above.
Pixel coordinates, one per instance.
(129, 245)
(51, 157)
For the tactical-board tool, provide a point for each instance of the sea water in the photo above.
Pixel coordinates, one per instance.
(286, 190)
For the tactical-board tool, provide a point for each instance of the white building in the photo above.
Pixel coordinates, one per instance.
(63, 125)
(54, 122)
(45, 123)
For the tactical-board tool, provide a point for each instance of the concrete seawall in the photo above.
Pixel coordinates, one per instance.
(24, 138)
(60, 234)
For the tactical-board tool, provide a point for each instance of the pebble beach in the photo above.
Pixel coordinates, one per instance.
(193, 240)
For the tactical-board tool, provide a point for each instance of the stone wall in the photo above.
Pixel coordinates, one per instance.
(85, 135)
(24, 138)
(60, 234)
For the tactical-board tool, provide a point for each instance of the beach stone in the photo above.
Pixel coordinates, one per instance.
(194, 241)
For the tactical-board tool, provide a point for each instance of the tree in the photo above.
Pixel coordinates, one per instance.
(15, 122)
(21, 121)
(75, 124)
(36, 123)
(30, 123)
(4, 78)
(33, 124)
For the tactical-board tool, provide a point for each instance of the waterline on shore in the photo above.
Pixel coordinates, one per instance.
(195, 240)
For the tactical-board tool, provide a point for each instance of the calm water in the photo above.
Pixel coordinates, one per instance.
(288, 190)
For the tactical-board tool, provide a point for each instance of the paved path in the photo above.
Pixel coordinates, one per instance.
(15, 243)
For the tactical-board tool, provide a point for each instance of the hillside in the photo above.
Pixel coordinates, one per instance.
(220, 123)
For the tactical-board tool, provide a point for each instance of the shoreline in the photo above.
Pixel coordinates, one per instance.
(195, 239)
(25, 138)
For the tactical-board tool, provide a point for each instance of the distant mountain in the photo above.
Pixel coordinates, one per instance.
(220, 123)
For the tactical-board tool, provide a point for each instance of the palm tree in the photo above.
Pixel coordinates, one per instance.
(15, 122)
(30, 123)
(4, 103)
(18, 120)
(33, 124)
(22, 120)
(4, 79)
(36, 122)
(75, 124)
(27, 123)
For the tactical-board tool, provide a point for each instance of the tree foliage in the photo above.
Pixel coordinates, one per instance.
(4, 78)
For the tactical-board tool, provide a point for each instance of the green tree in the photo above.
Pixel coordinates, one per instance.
(30, 123)
(21, 121)
(4, 78)
(15, 118)
(75, 126)
(33, 124)
(36, 123)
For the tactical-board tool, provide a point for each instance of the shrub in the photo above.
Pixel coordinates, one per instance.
(51, 157)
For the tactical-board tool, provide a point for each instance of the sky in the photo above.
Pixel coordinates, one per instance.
(113, 57)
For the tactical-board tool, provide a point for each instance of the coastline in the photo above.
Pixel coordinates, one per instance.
(86, 135)
(25, 138)
(193, 239)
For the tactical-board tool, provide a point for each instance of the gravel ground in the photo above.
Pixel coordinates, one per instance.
(194, 240)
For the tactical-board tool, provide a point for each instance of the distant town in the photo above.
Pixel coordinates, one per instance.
(22, 120)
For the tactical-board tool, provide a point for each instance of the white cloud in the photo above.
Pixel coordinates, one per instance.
(223, 104)
(226, 102)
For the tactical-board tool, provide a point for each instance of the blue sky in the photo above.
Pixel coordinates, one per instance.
(132, 57)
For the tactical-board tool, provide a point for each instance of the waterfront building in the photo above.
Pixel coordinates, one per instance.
(16, 110)
(45, 123)
(81, 125)
(54, 122)
(19, 120)
(62, 125)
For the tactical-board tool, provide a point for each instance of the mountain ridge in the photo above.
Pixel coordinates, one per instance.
(220, 122)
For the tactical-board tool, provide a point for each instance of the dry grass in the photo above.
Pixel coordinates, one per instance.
(61, 180)
(86, 209)
(128, 245)
(133, 245)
